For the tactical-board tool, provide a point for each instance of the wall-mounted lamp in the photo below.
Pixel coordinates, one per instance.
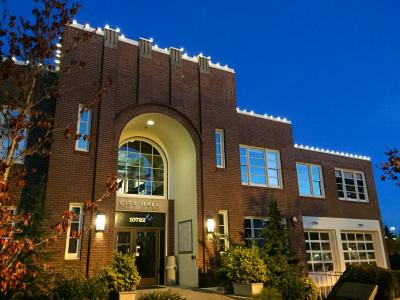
(210, 225)
(294, 221)
(100, 221)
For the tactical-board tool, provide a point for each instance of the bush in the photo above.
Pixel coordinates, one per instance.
(363, 273)
(244, 265)
(221, 276)
(269, 293)
(78, 288)
(161, 295)
(122, 274)
(289, 279)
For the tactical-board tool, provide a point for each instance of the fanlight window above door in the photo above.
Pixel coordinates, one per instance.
(141, 169)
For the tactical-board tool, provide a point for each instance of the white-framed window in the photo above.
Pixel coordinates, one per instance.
(223, 230)
(73, 244)
(351, 185)
(219, 148)
(142, 168)
(260, 167)
(83, 129)
(319, 251)
(253, 231)
(309, 178)
(358, 247)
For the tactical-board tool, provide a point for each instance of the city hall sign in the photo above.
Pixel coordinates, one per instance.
(141, 204)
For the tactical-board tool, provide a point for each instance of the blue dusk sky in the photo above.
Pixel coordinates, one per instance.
(332, 67)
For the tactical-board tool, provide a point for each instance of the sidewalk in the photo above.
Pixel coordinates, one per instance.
(190, 294)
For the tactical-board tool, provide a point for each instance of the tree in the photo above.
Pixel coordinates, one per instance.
(391, 167)
(29, 52)
(276, 233)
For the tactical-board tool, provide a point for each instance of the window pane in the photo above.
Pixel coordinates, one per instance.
(146, 148)
(256, 153)
(242, 151)
(317, 189)
(303, 179)
(218, 137)
(315, 173)
(243, 170)
(273, 181)
(257, 179)
(257, 162)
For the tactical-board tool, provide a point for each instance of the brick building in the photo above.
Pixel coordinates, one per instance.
(189, 162)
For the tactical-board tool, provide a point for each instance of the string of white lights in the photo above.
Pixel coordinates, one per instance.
(155, 47)
(345, 154)
(264, 116)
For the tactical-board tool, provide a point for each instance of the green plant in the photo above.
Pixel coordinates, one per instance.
(121, 275)
(363, 273)
(161, 295)
(269, 293)
(289, 279)
(244, 265)
(76, 287)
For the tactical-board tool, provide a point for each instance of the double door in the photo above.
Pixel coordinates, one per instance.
(146, 245)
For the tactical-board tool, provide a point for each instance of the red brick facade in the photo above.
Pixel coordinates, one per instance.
(202, 98)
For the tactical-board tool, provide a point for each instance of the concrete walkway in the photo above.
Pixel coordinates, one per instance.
(189, 294)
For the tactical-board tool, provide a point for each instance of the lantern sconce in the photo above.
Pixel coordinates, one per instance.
(100, 222)
(210, 225)
(294, 221)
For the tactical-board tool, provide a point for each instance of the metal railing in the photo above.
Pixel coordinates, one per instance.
(325, 281)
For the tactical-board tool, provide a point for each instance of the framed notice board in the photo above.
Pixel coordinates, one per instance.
(185, 237)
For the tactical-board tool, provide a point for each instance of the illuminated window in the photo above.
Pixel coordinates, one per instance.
(83, 130)
(73, 245)
(141, 169)
(319, 251)
(260, 167)
(223, 230)
(358, 247)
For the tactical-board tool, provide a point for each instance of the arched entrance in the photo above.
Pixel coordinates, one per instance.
(156, 211)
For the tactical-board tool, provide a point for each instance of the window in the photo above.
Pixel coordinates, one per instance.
(253, 231)
(223, 230)
(319, 251)
(260, 167)
(219, 148)
(358, 248)
(83, 130)
(309, 178)
(141, 169)
(7, 117)
(73, 245)
(351, 185)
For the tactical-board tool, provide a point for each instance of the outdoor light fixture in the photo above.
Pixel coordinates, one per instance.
(294, 221)
(210, 225)
(150, 122)
(100, 221)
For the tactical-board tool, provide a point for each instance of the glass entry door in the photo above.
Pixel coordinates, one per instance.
(145, 244)
(147, 257)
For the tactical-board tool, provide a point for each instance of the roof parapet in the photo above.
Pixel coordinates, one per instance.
(264, 116)
(196, 58)
(326, 151)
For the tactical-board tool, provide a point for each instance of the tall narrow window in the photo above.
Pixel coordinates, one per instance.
(260, 167)
(309, 178)
(351, 185)
(83, 130)
(219, 148)
(223, 230)
(73, 245)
